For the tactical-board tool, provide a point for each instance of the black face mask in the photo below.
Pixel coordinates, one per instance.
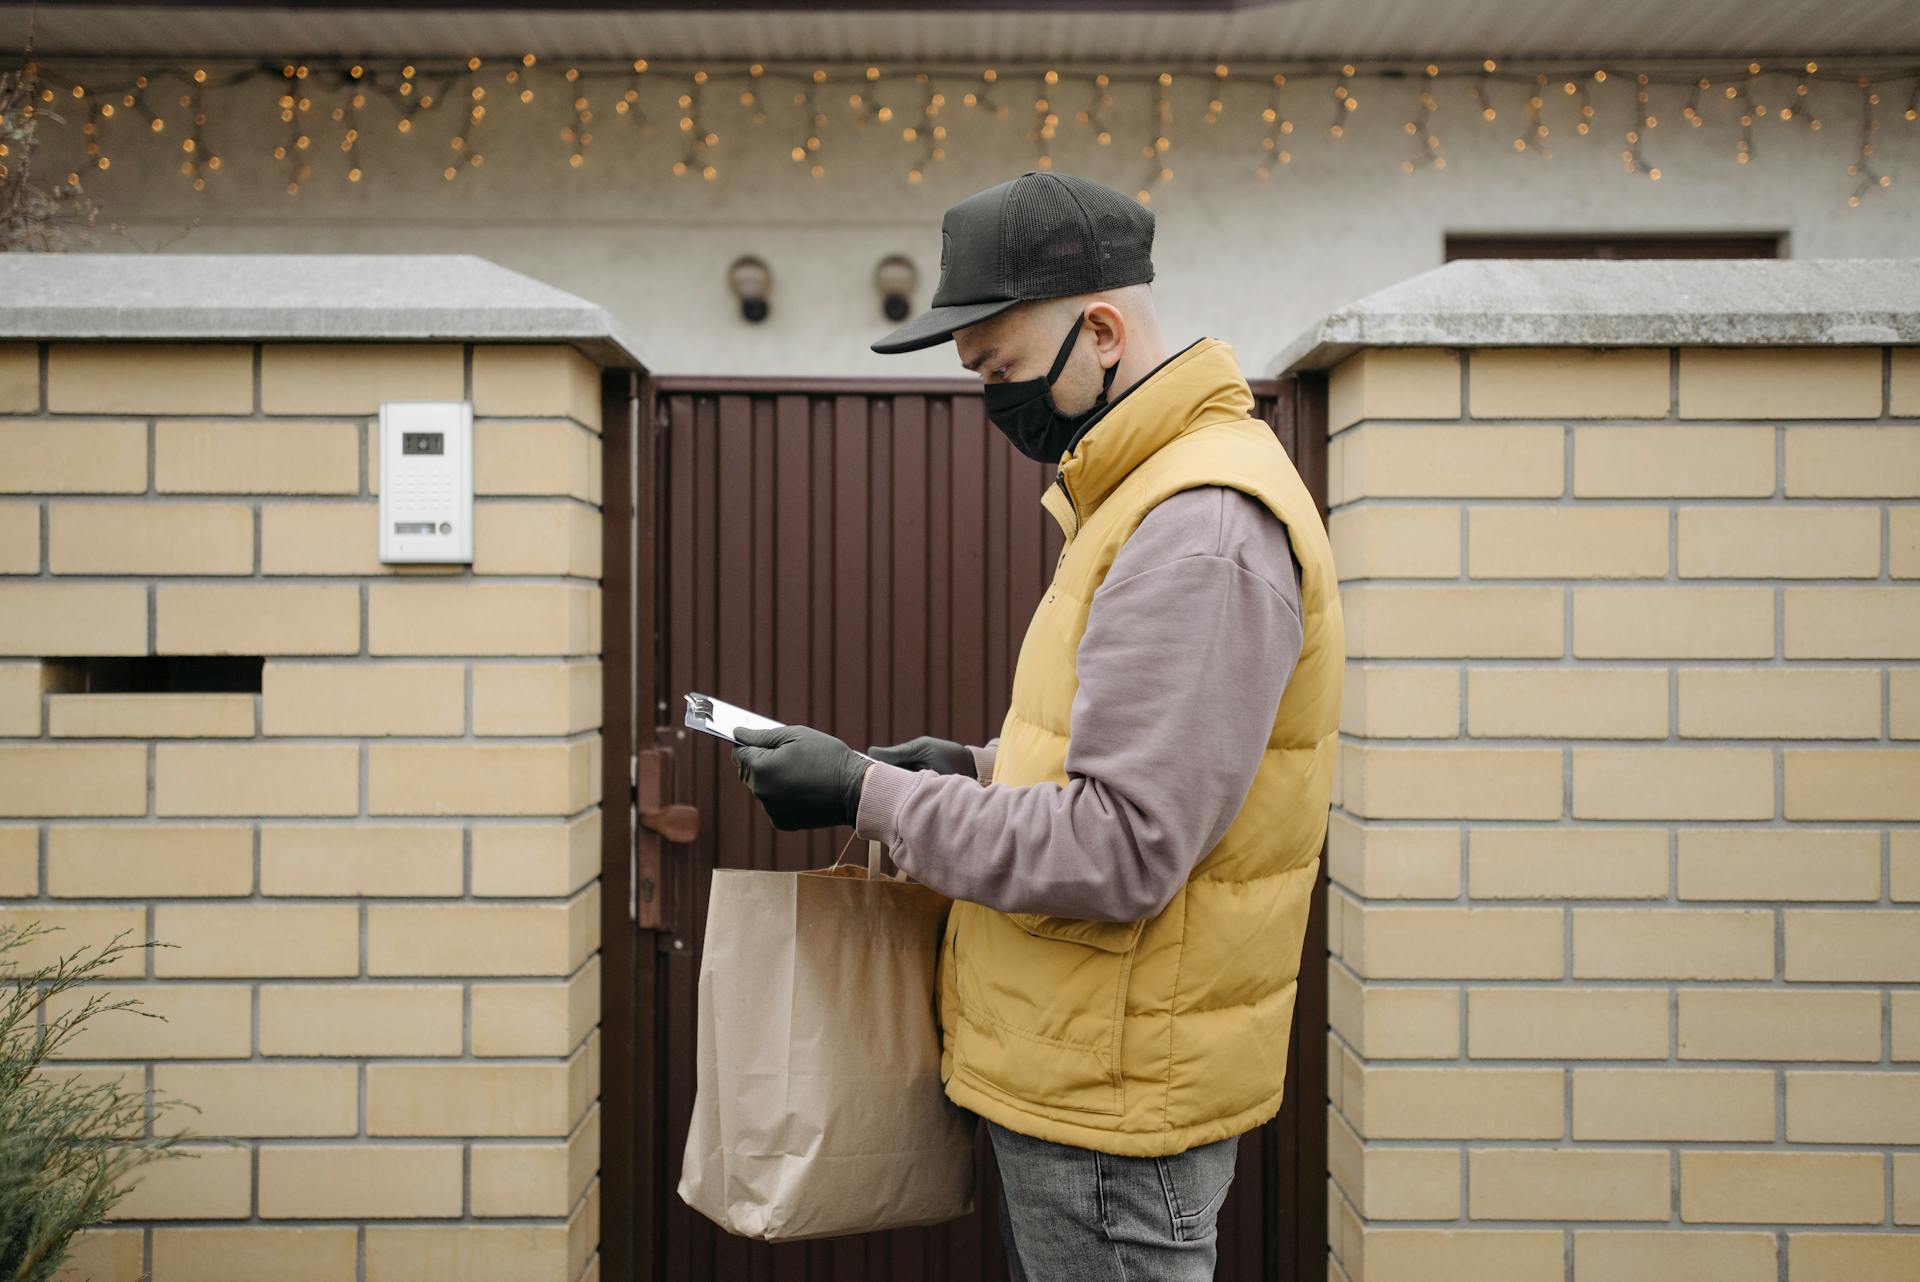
(1025, 411)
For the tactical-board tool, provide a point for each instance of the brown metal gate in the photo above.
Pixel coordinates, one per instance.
(861, 557)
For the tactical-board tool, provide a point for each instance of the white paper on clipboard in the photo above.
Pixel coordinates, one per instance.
(719, 718)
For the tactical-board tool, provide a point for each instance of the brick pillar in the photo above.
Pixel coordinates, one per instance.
(1626, 845)
(380, 872)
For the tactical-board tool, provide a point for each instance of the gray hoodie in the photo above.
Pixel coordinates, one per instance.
(1190, 640)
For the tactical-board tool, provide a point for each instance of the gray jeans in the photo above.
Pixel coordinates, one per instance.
(1071, 1214)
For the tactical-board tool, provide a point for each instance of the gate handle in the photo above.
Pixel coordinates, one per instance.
(678, 822)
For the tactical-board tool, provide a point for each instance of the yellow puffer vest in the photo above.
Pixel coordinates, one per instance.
(1146, 1038)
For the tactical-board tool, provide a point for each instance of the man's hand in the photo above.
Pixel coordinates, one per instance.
(942, 756)
(802, 777)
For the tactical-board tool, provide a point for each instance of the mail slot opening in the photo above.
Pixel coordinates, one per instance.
(158, 674)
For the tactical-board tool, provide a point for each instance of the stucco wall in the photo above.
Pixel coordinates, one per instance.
(1626, 846)
(379, 874)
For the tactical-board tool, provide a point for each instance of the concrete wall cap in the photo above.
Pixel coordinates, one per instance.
(1534, 302)
(75, 297)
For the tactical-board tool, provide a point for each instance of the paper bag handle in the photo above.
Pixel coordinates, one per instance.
(873, 861)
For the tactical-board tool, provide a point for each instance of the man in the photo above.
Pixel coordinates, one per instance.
(1132, 857)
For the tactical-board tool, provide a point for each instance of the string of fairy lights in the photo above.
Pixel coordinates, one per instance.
(321, 105)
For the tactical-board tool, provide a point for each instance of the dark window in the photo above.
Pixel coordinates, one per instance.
(1746, 245)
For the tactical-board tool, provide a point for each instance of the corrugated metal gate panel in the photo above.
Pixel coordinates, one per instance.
(864, 559)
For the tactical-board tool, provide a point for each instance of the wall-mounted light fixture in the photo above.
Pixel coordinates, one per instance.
(894, 278)
(750, 279)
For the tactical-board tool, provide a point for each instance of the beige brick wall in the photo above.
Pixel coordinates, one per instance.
(1625, 856)
(378, 874)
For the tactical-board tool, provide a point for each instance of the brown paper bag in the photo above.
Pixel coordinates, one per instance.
(818, 1108)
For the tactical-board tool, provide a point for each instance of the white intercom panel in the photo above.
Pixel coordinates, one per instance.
(426, 481)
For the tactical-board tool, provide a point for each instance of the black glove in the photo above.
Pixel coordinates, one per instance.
(802, 777)
(942, 756)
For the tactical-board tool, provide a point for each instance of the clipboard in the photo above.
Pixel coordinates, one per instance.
(717, 717)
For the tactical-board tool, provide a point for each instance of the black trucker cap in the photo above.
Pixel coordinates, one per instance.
(1041, 235)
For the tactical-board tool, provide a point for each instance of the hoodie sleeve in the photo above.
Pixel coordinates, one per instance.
(1190, 641)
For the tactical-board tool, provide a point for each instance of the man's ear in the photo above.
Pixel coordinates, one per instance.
(1109, 326)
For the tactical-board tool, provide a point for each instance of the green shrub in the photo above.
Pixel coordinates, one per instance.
(65, 1146)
